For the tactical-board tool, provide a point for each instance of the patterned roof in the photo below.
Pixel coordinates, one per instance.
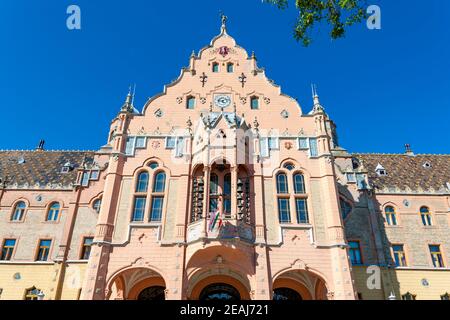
(41, 167)
(408, 171)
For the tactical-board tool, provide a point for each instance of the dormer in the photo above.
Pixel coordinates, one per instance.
(67, 167)
(380, 171)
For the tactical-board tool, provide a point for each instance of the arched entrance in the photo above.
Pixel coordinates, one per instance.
(152, 293)
(219, 291)
(137, 284)
(299, 285)
(219, 287)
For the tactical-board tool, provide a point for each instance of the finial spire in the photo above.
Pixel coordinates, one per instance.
(224, 20)
(315, 95)
(128, 105)
(317, 106)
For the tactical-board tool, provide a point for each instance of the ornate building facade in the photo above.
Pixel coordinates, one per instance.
(223, 187)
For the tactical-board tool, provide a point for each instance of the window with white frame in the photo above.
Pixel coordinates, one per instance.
(351, 177)
(310, 144)
(170, 142)
(268, 144)
(134, 143)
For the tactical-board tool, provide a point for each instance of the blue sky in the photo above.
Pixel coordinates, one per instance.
(382, 88)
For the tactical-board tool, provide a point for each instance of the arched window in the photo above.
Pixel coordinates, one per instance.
(284, 210)
(282, 183)
(286, 199)
(425, 214)
(140, 198)
(391, 216)
(299, 183)
(160, 182)
(97, 205)
(19, 211)
(254, 103)
(215, 67)
(190, 103)
(157, 197)
(142, 182)
(230, 67)
(53, 212)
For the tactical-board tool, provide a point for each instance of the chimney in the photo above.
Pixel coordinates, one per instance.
(40, 146)
(408, 150)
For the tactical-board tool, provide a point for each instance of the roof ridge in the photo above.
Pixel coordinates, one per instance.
(37, 151)
(399, 154)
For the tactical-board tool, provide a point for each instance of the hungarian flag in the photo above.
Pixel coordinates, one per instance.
(214, 220)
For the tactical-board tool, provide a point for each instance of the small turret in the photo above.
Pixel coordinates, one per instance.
(317, 107)
(128, 105)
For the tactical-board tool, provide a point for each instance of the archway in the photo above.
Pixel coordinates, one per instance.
(225, 264)
(299, 285)
(219, 291)
(136, 284)
(219, 287)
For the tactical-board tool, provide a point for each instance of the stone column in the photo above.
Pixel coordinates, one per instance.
(263, 285)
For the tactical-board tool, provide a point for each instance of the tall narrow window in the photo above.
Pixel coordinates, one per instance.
(391, 216)
(43, 250)
(130, 145)
(282, 183)
(355, 252)
(7, 249)
(190, 103)
(97, 205)
(299, 183)
(254, 103)
(215, 67)
(302, 210)
(264, 147)
(53, 212)
(425, 214)
(230, 67)
(436, 256)
(142, 182)
(227, 195)
(139, 209)
(86, 249)
(213, 193)
(19, 211)
(156, 208)
(399, 255)
(284, 211)
(160, 182)
(313, 148)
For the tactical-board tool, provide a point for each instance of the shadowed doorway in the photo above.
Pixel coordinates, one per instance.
(152, 293)
(219, 291)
